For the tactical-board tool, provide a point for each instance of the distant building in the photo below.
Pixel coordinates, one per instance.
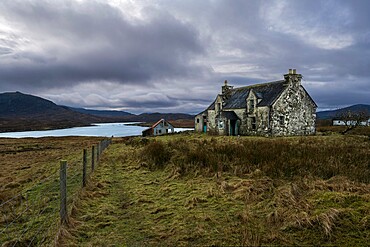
(278, 108)
(351, 123)
(159, 128)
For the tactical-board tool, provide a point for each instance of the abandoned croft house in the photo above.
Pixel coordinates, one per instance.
(159, 128)
(278, 108)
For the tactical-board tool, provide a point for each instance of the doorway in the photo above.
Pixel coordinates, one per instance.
(233, 130)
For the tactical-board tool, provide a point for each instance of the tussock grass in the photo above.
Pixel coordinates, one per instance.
(322, 157)
(206, 190)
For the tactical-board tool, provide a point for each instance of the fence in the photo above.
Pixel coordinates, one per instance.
(31, 217)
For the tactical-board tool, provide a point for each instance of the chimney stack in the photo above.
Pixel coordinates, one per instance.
(292, 77)
(226, 88)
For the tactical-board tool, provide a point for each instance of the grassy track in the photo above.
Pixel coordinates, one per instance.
(127, 203)
(181, 190)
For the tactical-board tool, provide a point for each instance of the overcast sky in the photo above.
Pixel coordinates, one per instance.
(173, 55)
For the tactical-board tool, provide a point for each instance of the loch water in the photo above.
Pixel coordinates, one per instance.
(101, 129)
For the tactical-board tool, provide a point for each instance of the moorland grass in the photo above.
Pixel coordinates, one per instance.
(29, 186)
(193, 189)
(322, 157)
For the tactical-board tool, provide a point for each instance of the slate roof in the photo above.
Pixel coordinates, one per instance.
(268, 92)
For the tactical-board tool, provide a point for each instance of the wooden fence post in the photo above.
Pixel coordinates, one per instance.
(92, 158)
(63, 192)
(97, 153)
(84, 165)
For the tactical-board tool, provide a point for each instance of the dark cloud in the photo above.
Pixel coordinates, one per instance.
(93, 41)
(174, 55)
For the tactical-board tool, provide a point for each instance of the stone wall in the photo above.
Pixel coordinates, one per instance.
(262, 125)
(211, 121)
(198, 122)
(293, 113)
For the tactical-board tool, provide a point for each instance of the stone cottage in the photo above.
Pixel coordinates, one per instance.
(279, 108)
(159, 128)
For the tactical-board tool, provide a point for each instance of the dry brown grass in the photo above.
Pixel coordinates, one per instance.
(322, 157)
(200, 190)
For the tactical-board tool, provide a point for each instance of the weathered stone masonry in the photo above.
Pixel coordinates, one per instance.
(278, 108)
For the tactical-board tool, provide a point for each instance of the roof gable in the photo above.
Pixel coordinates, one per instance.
(164, 122)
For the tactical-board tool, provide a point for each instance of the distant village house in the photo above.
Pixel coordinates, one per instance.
(351, 123)
(159, 128)
(279, 108)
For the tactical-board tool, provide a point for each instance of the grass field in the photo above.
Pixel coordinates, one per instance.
(189, 189)
(29, 186)
(194, 189)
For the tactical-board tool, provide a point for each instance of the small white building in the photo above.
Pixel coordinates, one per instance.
(351, 123)
(159, 128)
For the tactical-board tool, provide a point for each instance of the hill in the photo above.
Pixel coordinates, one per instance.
(22, 105)
(20, 112)
(334, 113)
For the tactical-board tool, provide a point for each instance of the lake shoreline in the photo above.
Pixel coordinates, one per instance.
(122, 129)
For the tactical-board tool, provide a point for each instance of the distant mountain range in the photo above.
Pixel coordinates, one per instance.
(129, 117)
(22, 112)
(335, 113)
(102, 113)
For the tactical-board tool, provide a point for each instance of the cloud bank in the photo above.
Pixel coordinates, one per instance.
(173, 55)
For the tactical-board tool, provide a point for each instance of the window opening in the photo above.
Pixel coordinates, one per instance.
(253, 121)
(251, 105)
(282, 120)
